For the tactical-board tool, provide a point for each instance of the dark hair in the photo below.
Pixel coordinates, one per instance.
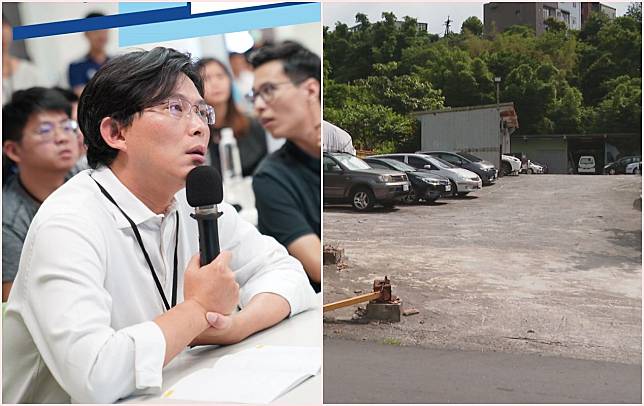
(299, 63)
(67, 93)
(25, 103)
(94, 14)
(234, 118)
(125, 86)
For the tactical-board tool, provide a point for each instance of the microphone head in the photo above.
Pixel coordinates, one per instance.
(203, 186)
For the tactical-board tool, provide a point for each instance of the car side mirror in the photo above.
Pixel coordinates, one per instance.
(428, 167)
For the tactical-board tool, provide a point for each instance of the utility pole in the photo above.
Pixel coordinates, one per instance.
(497, 81)
(447, 23)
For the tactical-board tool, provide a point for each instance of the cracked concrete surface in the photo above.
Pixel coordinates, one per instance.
(547, 264)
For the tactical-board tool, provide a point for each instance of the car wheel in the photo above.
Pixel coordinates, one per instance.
(454, 188)
(530, 171)
(506, 169)
(636, 171)
(410, 198)
(362, 199)
(611, 171)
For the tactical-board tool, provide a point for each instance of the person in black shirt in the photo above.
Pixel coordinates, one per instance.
(286, 98)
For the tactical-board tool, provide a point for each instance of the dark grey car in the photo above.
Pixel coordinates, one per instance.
(348, 179)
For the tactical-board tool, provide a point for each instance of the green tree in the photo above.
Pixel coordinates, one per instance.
(472, 25)
(634, 10)
(621, 109)
(561, 81)
(554, 25)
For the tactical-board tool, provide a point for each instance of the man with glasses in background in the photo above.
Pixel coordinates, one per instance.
(286, 99)
(110, 288)
(41, 139)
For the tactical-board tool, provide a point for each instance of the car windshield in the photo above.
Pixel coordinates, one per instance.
(587, 160)
(471, 157)
(351, 162)
(442, 164)
(399, 166)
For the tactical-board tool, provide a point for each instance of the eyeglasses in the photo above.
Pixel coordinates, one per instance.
(46, 130)
(179, 108)
(267, 92)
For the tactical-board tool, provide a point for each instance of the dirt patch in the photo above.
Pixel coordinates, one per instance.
(544, 263)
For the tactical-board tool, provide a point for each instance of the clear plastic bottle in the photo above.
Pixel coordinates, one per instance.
(229, 156)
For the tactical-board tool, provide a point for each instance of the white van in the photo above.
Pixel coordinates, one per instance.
(586, 164)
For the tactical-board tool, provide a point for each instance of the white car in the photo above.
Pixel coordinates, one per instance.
(634, 168)
(586, 164)
(510, 165)
(534, 168)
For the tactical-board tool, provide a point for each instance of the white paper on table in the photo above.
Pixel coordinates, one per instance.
(256, 375)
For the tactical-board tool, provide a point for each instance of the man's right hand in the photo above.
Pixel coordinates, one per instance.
(213, 286)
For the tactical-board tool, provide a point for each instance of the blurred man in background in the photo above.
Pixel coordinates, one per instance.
(286, 98)
(40, 137)
(83, 69)
(336, 139)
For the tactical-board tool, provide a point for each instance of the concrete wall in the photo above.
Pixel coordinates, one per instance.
(505, 15)
(475, 131)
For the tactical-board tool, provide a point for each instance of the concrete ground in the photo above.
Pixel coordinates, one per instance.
(541, 264)
(364, 372)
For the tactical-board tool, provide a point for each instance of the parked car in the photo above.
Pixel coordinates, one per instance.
(543, 166)
(534, 167)
(634, 168)
(486, 170)
(424, 185)
(462, 180)
(348, 179)
(620, 165)
(510, 165)
(586, 164)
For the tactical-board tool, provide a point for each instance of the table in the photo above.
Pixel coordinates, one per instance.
(304, 329)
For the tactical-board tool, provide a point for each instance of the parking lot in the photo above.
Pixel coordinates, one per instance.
(547, 264)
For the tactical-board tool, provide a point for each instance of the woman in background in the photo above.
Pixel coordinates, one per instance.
(250, 136)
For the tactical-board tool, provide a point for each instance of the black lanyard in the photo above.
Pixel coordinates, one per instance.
(145, 253)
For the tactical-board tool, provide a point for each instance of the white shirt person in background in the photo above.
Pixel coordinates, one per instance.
(89, 319)
(17, 74)
(335, 139)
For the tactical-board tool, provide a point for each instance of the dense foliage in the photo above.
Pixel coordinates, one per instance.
(562, 81)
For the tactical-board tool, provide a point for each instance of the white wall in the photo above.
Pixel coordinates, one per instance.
(574, 9)
(309, 35)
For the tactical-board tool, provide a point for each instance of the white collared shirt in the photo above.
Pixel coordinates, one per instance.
(78, 325)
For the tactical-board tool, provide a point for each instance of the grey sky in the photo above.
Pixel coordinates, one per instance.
(434, 14)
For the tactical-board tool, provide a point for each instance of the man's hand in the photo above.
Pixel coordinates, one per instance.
(212, 286)
(263, 311)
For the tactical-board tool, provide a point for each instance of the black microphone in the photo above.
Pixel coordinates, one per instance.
(204, 192)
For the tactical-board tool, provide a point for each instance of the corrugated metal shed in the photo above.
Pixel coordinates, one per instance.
(479, 130)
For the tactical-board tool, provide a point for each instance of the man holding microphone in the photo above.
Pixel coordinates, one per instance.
(110, 288)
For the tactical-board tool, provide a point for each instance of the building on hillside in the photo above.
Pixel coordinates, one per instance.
(498, 16)
(590, 7)
(483, 130)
